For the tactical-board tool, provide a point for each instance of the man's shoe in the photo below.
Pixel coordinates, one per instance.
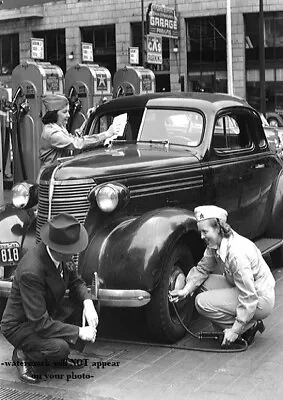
(27, 373)
(249, 335)
(68, 363)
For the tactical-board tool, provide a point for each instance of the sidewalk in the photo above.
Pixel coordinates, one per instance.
(136, 372)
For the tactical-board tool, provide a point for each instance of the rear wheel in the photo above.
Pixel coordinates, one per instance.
(162, 321)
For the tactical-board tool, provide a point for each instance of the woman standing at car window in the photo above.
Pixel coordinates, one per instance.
(56, 141)
(237, 301)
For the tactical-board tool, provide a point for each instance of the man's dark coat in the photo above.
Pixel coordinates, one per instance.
(36, 299)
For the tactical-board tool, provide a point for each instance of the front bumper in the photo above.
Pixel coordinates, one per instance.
(121, 298)
(106, 297)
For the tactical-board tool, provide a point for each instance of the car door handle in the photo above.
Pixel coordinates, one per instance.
(258, 166)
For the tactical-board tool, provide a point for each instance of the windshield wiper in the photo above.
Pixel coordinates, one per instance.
(164, 141)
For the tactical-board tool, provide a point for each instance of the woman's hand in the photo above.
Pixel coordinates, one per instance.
(179, 294)
(229, 336)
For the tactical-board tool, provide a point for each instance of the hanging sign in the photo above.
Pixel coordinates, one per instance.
(37, 49)
(162, 21)
(87, 52)
(154, 49)
(133, 53)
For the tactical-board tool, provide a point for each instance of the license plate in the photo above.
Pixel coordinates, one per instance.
(9, 253)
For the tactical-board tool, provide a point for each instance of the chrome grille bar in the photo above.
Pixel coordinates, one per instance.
(68, 197)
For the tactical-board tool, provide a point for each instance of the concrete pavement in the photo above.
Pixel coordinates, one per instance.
(133, 371)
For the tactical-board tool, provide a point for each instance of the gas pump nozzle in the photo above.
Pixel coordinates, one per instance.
(24, 107)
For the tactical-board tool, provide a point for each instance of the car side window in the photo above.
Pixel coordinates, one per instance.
(232, 132)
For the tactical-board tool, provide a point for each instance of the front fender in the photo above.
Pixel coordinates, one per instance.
(17, 225)
(130, 254)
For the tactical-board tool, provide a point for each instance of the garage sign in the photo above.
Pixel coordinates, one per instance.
(154, 49)
(162, 21)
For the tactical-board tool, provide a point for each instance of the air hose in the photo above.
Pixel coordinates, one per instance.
(243, 345)
(212, 336)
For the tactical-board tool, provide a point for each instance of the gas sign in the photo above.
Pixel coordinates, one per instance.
(154, 49)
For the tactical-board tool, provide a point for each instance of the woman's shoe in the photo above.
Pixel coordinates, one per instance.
(249, 335)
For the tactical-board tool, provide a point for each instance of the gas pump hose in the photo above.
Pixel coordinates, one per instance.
(6, 148)
(16, 118)
(76, 107)
(20, 147)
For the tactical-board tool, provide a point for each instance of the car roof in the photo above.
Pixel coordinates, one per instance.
(218, 100)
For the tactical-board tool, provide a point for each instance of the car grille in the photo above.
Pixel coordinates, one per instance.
(68, 197)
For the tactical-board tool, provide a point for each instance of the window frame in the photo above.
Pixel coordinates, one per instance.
(232, 151)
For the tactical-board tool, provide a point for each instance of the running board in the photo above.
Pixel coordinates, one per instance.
(267, 245)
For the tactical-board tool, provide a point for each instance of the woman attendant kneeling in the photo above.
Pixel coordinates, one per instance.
(243, 296)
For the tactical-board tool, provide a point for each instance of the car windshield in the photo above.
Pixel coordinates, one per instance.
(183, 127)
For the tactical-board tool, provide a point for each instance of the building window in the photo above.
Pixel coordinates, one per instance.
(273, 48)
(206, 53)
(273, 37)
(54, 46)
(9, 53)
(104, 43)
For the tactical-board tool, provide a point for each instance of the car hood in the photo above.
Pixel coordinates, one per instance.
(122, 159)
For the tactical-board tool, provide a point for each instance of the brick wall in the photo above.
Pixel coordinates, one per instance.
(73, 14)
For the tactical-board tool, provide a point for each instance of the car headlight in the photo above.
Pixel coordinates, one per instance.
(24, 195)
(109, 196)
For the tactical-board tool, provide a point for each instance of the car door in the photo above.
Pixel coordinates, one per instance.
(236, 171)
(270, 168)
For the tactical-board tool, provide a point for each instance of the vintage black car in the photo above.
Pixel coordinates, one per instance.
(137, 195)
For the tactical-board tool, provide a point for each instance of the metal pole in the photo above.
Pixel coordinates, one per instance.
(142, 32)
(229, 49)
(262, 60)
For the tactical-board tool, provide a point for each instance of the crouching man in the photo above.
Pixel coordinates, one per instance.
(38, 320)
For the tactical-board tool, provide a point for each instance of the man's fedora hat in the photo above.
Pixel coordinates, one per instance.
(65, 234)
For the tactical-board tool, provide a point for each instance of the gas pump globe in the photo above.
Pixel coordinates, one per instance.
(87, 86)
(133, 80)
(30, 82)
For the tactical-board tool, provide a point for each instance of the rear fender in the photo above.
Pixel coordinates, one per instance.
(130, 254)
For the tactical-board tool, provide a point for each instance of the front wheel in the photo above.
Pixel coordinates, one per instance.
(162, 321)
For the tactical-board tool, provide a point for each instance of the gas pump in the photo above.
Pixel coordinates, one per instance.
(30, 81)
(133, 80)
(87, 86)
